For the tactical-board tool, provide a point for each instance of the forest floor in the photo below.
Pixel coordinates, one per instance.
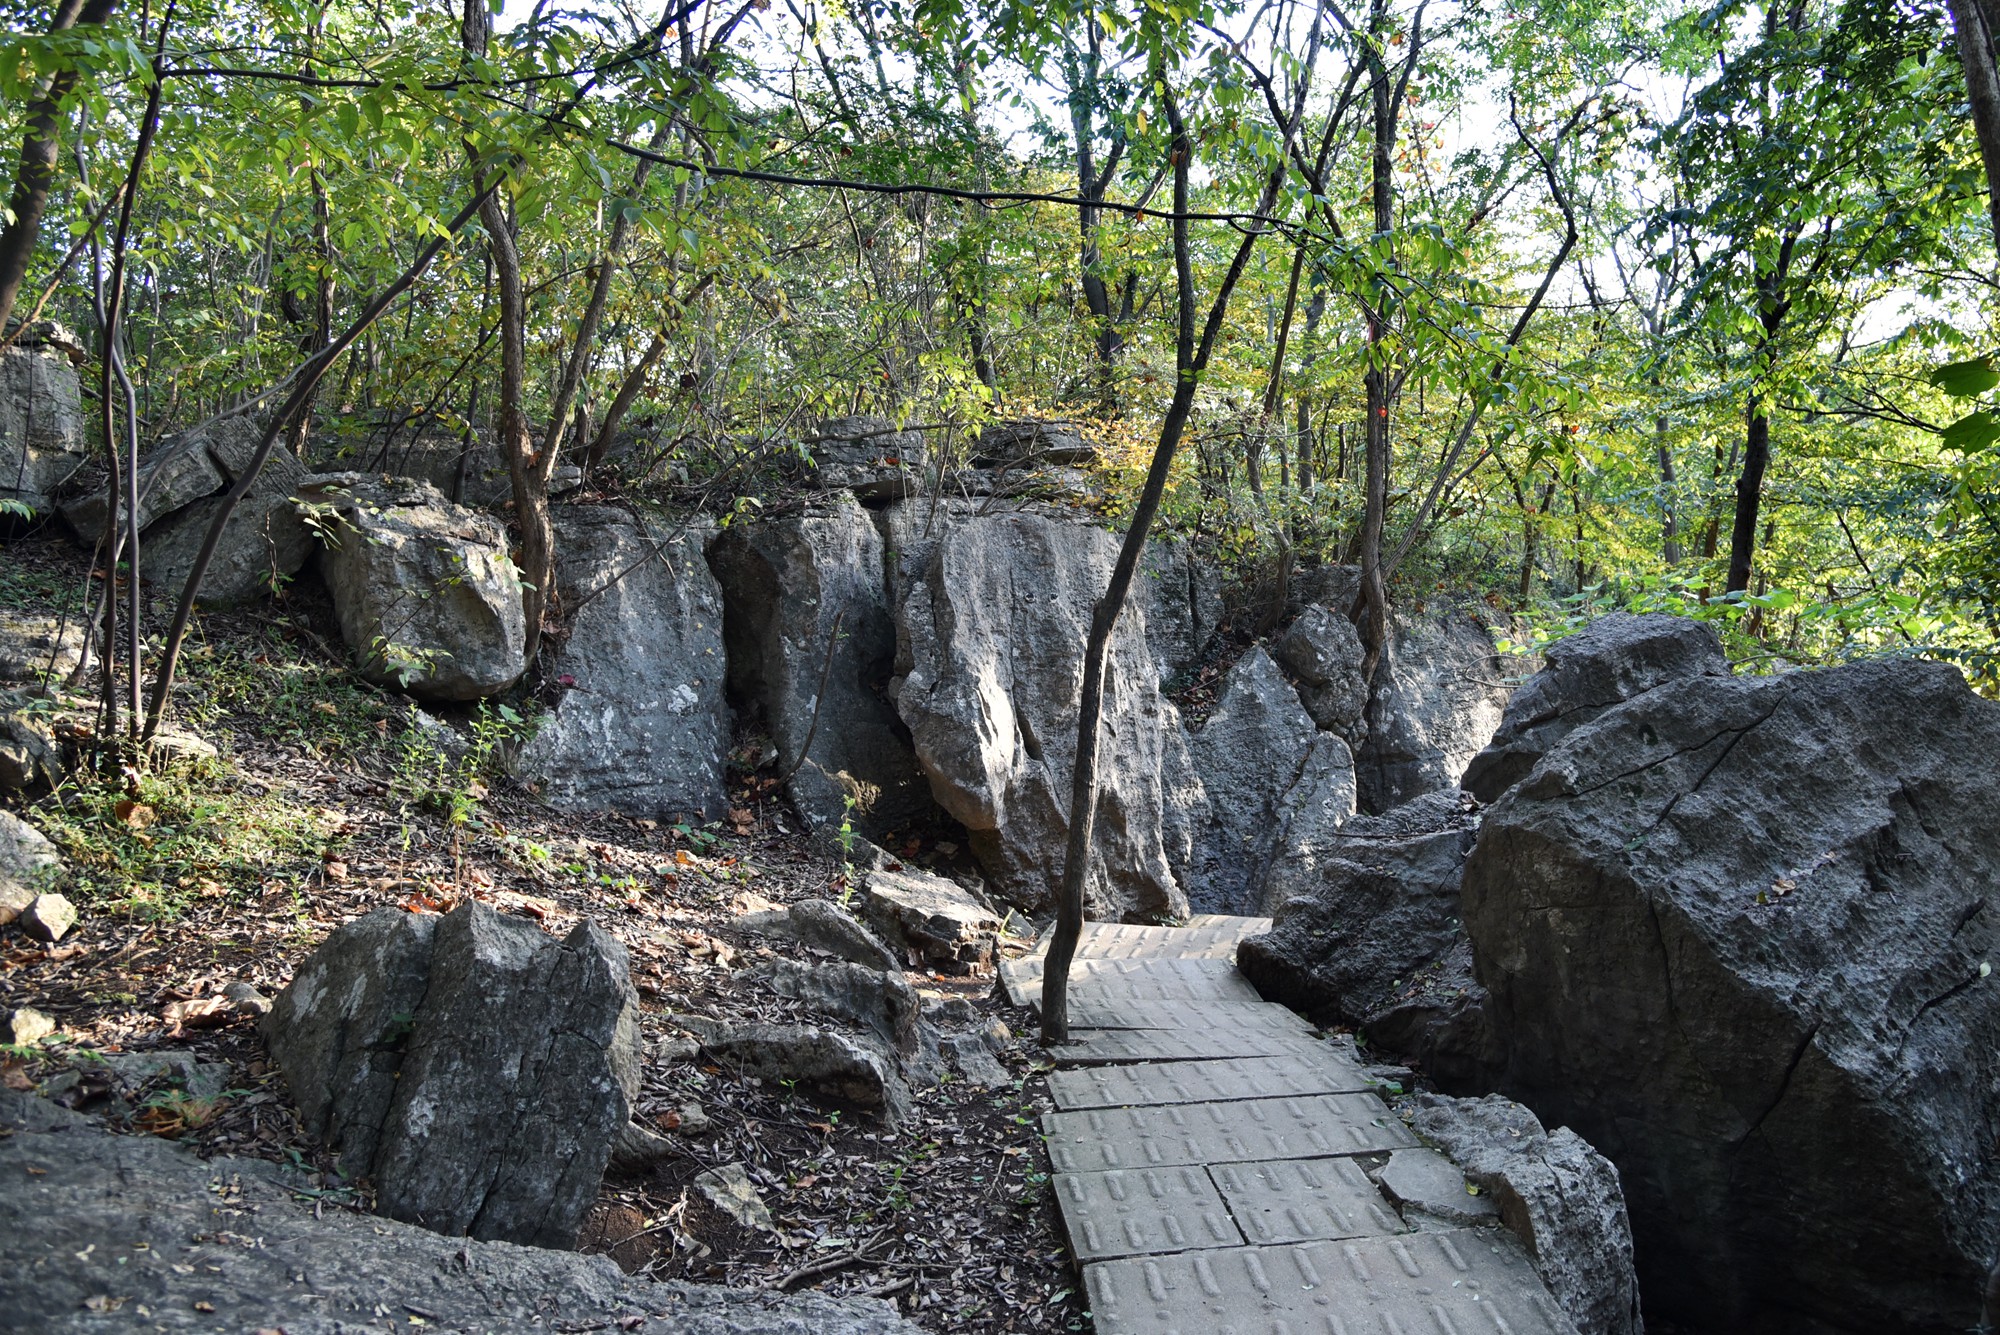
(331, 798)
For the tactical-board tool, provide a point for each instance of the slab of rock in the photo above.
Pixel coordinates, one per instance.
(934, 922)
(1439, 693)
(1421, 1179)
(973, 1056)
(1257, 758)
(43, 439)
(477, 1069)
(29, 761)
(642, 726)
(27, 861)
(263, 544)
(1560, 1196)
(730, 1190)
(825, 1063)
(38, 646)
(787, 583)
(48, 917)
(867, 456)
(879, 1000)
(825, 927)
(1606, 663)
(991, 625)
(178, 472)
(1734, 932)
(1181, 591)
(1324, 652)
(1032, 442)
(427, 597)
(68, 1232)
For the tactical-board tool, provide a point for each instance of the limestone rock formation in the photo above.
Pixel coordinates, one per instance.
(43, 439)
(1439, 693)
(867, 456)
(424, 590)
(27, 862)
(1324, 652)
(1032, 443)
(787, 585)
(992, 617)
(825, 927)
(150, 1213)
(844, 1069)
(1609, 661)
(937, 925)
(476, 1068)
(1560, 1196)
(642, 726)
(1181, 592)
(38, 646)
(1736, 933)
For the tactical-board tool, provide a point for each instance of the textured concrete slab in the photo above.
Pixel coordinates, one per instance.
(1426, 1180)
(1206, 936)
(1321, 1126)
(1144, 1085)
(1127, 1213)
(1463, 1282)
(1196, 980)
(1302, 1200)
(1097, 1046)
(1094, 1009)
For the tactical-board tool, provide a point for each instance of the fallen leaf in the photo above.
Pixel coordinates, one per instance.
(204, 1014)
(136, 815)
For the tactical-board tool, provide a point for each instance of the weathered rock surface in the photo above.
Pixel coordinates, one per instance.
(991, 622)
(881, 1001)
(1032, 443)
(936, 924)
(192, 466)
(425, 593)
(1181, 592)
(42, 434)
(788, 585)
(29, 760)
(1734, 931)
(265, 541)
(645, 727)
(67, 1247)
(1439, 693)
(730, 1190)
(472, 1065)
(1560, 1196)
(27, 861)
(1272, 788)
(1421, 1179)
(1324, 652)
(48, 917)
(867, 456)
(38, 646)
(825, 1063)
(825, 927)
(1606, 663)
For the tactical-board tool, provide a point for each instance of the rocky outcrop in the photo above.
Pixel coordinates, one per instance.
(1323, 651)
(265, 540)
(847, 1070)
(1439, 693)
(991, 622)
(39, 646)
(642, 726)
(867, 456)
(878, 1000)
(1181, 592)
(27, 863)
(1560, 1196)
(1273, 788)
(1606, 663)
(101, 1231)
(1738, 934)
(806, 606)
(1032, 443)
(935, 924)
(42, 434)
(427, 597)
(477, 1069)
(29, 759)
(825, 927)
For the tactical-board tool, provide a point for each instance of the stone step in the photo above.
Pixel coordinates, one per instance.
(1320, 1126)
(1097, 1047)
(1157, 1083)
(1206, 936)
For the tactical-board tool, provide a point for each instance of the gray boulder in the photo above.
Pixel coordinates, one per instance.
(1324, 652)
(29, 760)
(1560, 1196)
(825, 927)
(786, 584)
(192, 466)
(1736, 933)
(426, 594)
(475, 1067)
(936, 924)
(39, 646)
(265, 540)
(1032, 443)
(1181, 591)
(42, 434)
(876, 999)
(1606, 663)
(48, 917)
(1261, 762)
(27, 863)
(1439, 692)
(642, 726)
(992, 620)
(867, 456)
(843, 1069)
(123, 1232)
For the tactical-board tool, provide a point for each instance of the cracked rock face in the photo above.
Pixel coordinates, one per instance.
(1607, 663)
(1438, 696)
(1733, 932)
(474, 1066)
(43, 438)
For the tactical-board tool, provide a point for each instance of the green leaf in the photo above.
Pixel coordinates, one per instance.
(1965, 380)
(1973, 432)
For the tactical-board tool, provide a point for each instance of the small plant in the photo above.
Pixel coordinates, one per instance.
(439, 771)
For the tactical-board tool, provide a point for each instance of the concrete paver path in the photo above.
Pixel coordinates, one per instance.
(1213, 1160)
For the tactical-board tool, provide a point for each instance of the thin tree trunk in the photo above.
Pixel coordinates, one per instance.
(1973, 21)
(1749, 496)
(1670, 537)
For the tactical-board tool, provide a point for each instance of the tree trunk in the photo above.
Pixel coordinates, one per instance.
(1749, 495)
(40, 147)
(1974, 22)
(1373, 609)
(1670, 537)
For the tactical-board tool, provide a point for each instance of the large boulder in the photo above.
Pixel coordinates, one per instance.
(42, 434)
(1737, 933)
(642, 726)
(1439, 693)
(476, 1068)
(992, 620)
(806, 607)
(121, 1232)
(934, 924)
(1608, 662)
(427, 597)
(37, 647)
(1362, 922)
(1181, 591)
(1030, 443)
(1324, 652)
(866, 455)
(1257, 758)
(1560, 1196)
